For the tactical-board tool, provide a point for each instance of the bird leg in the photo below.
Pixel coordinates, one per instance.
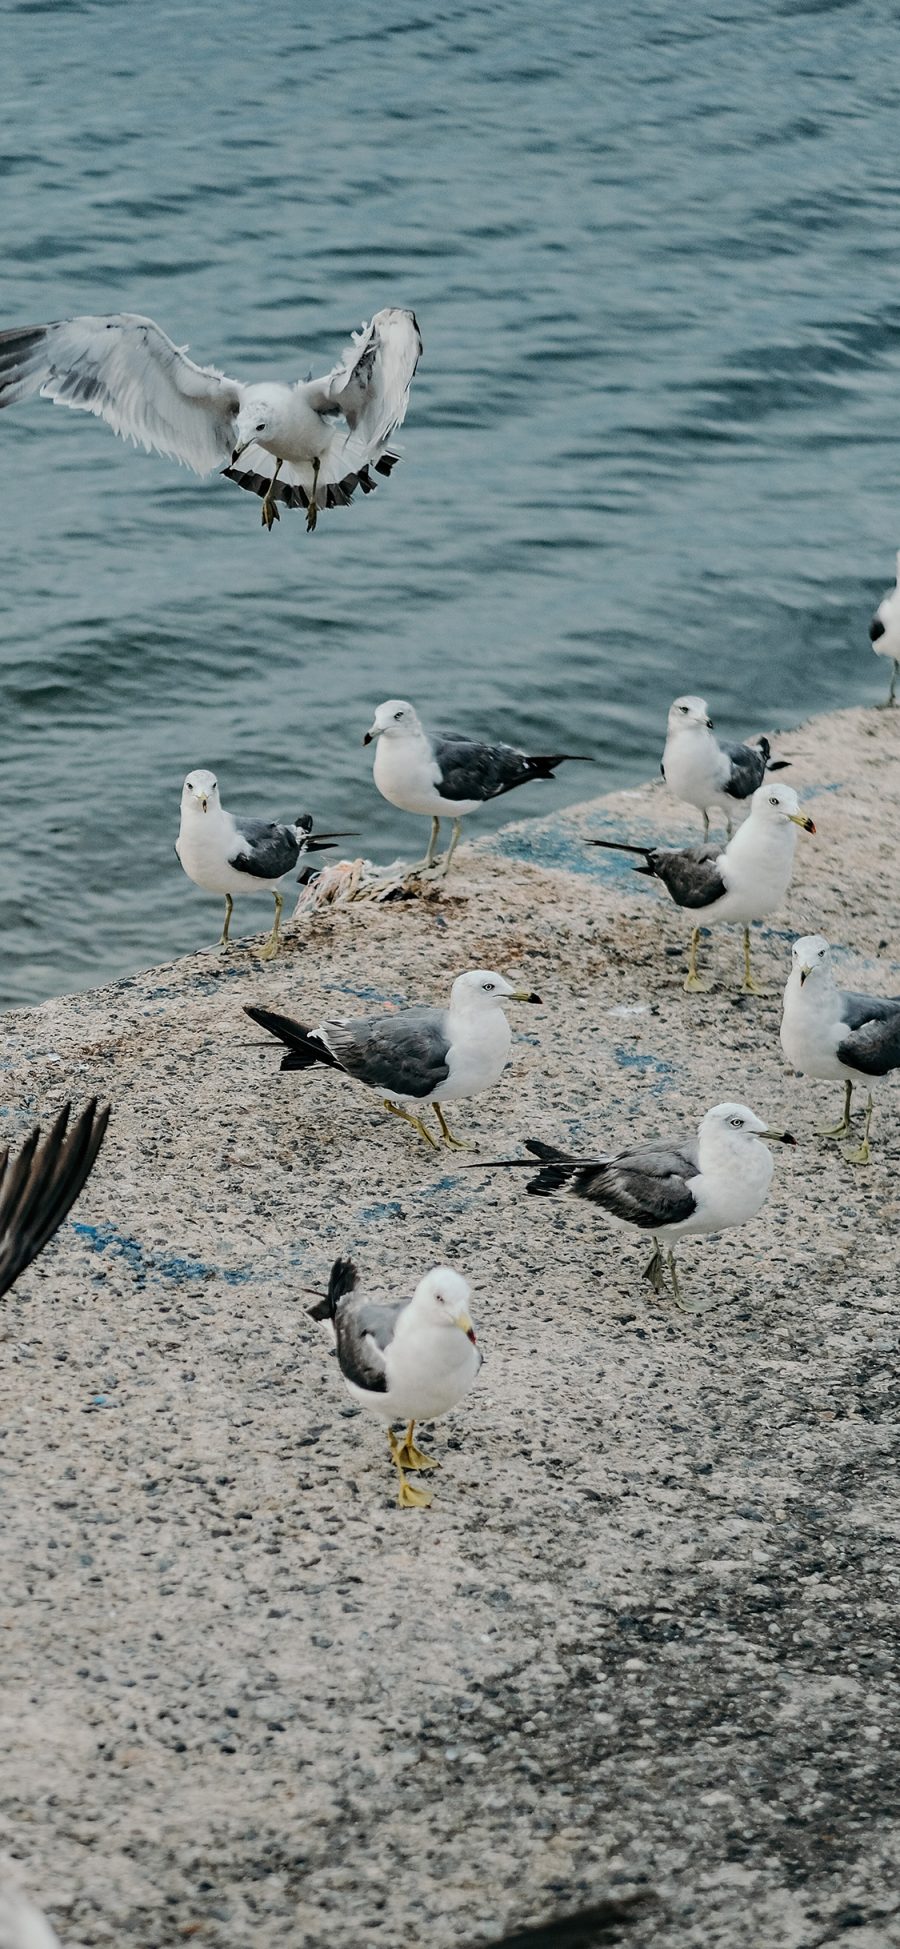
(694, 983)
(270, 512)
(416, 1122)
(729, 828)
(891, 698)
(705, 824)
(841, 1129)
(229, 910)
(863, 1154)
(454, 842)
(409, 1497)
(269, 948)
(654, 1271)
(312, 510)
(408, 1456)
(425, 865)
(748, 984)
(454, 1143)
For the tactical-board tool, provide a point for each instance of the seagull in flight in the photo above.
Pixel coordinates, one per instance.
(309, 445)
(40, 1184)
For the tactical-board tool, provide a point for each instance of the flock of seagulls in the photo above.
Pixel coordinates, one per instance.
(310, 445)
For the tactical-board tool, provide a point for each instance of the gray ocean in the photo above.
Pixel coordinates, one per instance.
(652, 445)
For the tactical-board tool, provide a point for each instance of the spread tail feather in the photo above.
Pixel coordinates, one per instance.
(304, 1046)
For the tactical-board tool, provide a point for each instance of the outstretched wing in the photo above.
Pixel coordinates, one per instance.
(128, 373)
(370, 384)
(39, 1186)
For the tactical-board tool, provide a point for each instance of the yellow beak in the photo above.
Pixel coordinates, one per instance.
(239, 450)
(524, 995)
(800, 819)
(202, 801)
(803, 974)
(464, 1323)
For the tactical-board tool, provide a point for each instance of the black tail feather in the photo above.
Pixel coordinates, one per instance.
(544, 767)
(342, 1279)
(620, 846)
(778, 764)
(304, 1046)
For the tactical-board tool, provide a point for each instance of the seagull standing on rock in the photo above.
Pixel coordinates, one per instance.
(415, 1056)
(705, 773)
(746, 881)
(309, 445)
(688, 1187)
(410, 1360)
(829, 1032)
(446, 774)
(222, 855)
(884, 634)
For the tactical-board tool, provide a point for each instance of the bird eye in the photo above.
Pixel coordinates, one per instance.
(737, 1123)
(774, 801)
(189, 785)
(683, 709)
(261, 427)
(397, 716)
(488, 987)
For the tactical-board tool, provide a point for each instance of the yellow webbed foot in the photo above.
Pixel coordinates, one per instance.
(861, 1156)
(270, 514)
(269, 948)
(695, 984)
(411, 1498)
(312, 516)
(750, 986)
(408, 1456)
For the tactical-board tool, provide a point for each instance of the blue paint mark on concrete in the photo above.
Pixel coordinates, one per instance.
(648, 1066)
(366, 993)
(144, 1264)
(376, 1214)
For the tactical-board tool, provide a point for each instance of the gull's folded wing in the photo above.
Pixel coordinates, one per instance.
(126, 371)
(38, 1187)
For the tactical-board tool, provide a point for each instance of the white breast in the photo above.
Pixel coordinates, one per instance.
(758, 872)
(428, 1371)
(730, 1193)
(478, 1054)
(694, 768)
(206, 842)
(406, 775)
(811, 1029)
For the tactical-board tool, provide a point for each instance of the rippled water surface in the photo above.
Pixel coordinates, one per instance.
(653, 444)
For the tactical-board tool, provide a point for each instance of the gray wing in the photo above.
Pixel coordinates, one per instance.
(403, 1054)
(128, 373)
(363, 1330)
(268, 849)
(748, 769)
(648, 1186)
(691, 876)
(479, 771)
(873, 1042)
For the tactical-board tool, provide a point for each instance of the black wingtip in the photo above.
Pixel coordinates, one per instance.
(343, 1279)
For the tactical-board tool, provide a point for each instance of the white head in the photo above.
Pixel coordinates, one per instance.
(481, 990)
(689, 714)
(442, 1299)
(778, 805)
(259, 418)
(730, 1129)
(395, 719)
(199, 794)
(811, 961)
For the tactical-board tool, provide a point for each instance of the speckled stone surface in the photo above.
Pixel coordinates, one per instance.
(646, 1636)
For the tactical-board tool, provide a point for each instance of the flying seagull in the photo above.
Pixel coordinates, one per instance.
(746, 881)
(416, 1056)
(884, 633)
(689, 1186)
(405, 1360)
(224, 855)
(309, 445)
(830, 1033)
(705, 773)
(40, 1184)
(444, 774)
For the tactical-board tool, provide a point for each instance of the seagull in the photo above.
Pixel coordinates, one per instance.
(222, 855)
(745, 881)
(416, 1056)
(444, 774)
(884, 633)
(703, 772)
(689, 1186)
(830, 1033)
(39, 1185)
(408, 1360)
(309, 445)
(22, 1926)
